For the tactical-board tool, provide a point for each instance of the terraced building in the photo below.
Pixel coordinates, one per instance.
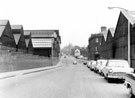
(6, 35)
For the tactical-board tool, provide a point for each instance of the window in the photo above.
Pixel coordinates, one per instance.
(96, 40)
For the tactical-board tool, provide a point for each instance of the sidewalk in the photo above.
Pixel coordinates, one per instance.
(28, 71)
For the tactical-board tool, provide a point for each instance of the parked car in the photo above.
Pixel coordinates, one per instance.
(92, 65)
(101, 63)
(130, 84)
(115, 69)
(88, 64)
(96, 67)
(84, 62)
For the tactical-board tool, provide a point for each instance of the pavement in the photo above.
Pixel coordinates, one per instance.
(6, 75)
(67, 81)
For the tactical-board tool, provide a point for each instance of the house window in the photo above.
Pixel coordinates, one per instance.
(96, 40)
(96, 48)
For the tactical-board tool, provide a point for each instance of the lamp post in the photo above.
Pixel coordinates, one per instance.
(128, 30)
(52, 51)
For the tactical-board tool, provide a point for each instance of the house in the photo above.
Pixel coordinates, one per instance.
(94, 46)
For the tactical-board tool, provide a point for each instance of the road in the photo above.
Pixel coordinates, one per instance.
(68, 81)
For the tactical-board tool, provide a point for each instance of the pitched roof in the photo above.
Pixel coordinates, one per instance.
(42, 42)
(105, 34)
(42, 33)
(27, 42)
(4, 22)
(26, 32)
(129, 15)
(112, 30)
(2, 28)
(17, 37)
(16, 27)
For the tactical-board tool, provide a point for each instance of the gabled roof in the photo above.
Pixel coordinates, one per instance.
(2, 28)
(129, 15)
(17, 37)
(3, 22)
(105, 34)
(26, 32)
(103, 41)
(27, 42)
(112, 30)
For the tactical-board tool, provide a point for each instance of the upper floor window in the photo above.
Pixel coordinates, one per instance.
(96, 40)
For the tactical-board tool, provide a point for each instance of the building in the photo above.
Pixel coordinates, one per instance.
(45, 42)
(103, 46)
(6, 35)
(28, 41)
(121, 36)
(109, 44)
(18, 34)
(94, 46)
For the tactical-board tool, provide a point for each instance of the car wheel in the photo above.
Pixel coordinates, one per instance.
(102, 74)
(108, 80)
(105, 76)
(130, 93)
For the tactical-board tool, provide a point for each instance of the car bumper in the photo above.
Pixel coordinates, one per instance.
(116, 77)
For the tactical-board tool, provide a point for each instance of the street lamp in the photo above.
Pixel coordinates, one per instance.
(128, 30)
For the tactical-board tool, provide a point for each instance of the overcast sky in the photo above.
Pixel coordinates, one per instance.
(76, 19)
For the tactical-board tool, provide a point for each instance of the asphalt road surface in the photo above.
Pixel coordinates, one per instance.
(68, 81)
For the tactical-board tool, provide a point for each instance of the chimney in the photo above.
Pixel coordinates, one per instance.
(103, 28)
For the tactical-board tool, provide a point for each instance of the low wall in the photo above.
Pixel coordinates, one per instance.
(16, 62)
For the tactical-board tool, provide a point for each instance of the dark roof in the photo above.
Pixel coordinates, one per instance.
(112, 30)
(17, 37)
(26, 32)
(95, 36)
(27, 42)
(2, 28)
(130, 16)
(105, 34)
(4, 22)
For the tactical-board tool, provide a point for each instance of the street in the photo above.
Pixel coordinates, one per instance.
(68, 81)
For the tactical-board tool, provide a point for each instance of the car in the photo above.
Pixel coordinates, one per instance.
(92, 65)
(74, 62)
(130, 83)
(85, 62)
(88, 64)
(101, 63)
(115, 69)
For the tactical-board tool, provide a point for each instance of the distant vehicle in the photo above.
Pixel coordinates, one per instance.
(77, 53)
(101, 63)
(74, 62)
(130, 84)
(115, 69)
(80, 57)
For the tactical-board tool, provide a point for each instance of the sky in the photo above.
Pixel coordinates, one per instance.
(76, 20)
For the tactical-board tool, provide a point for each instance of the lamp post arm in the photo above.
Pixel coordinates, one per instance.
(118, 8)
